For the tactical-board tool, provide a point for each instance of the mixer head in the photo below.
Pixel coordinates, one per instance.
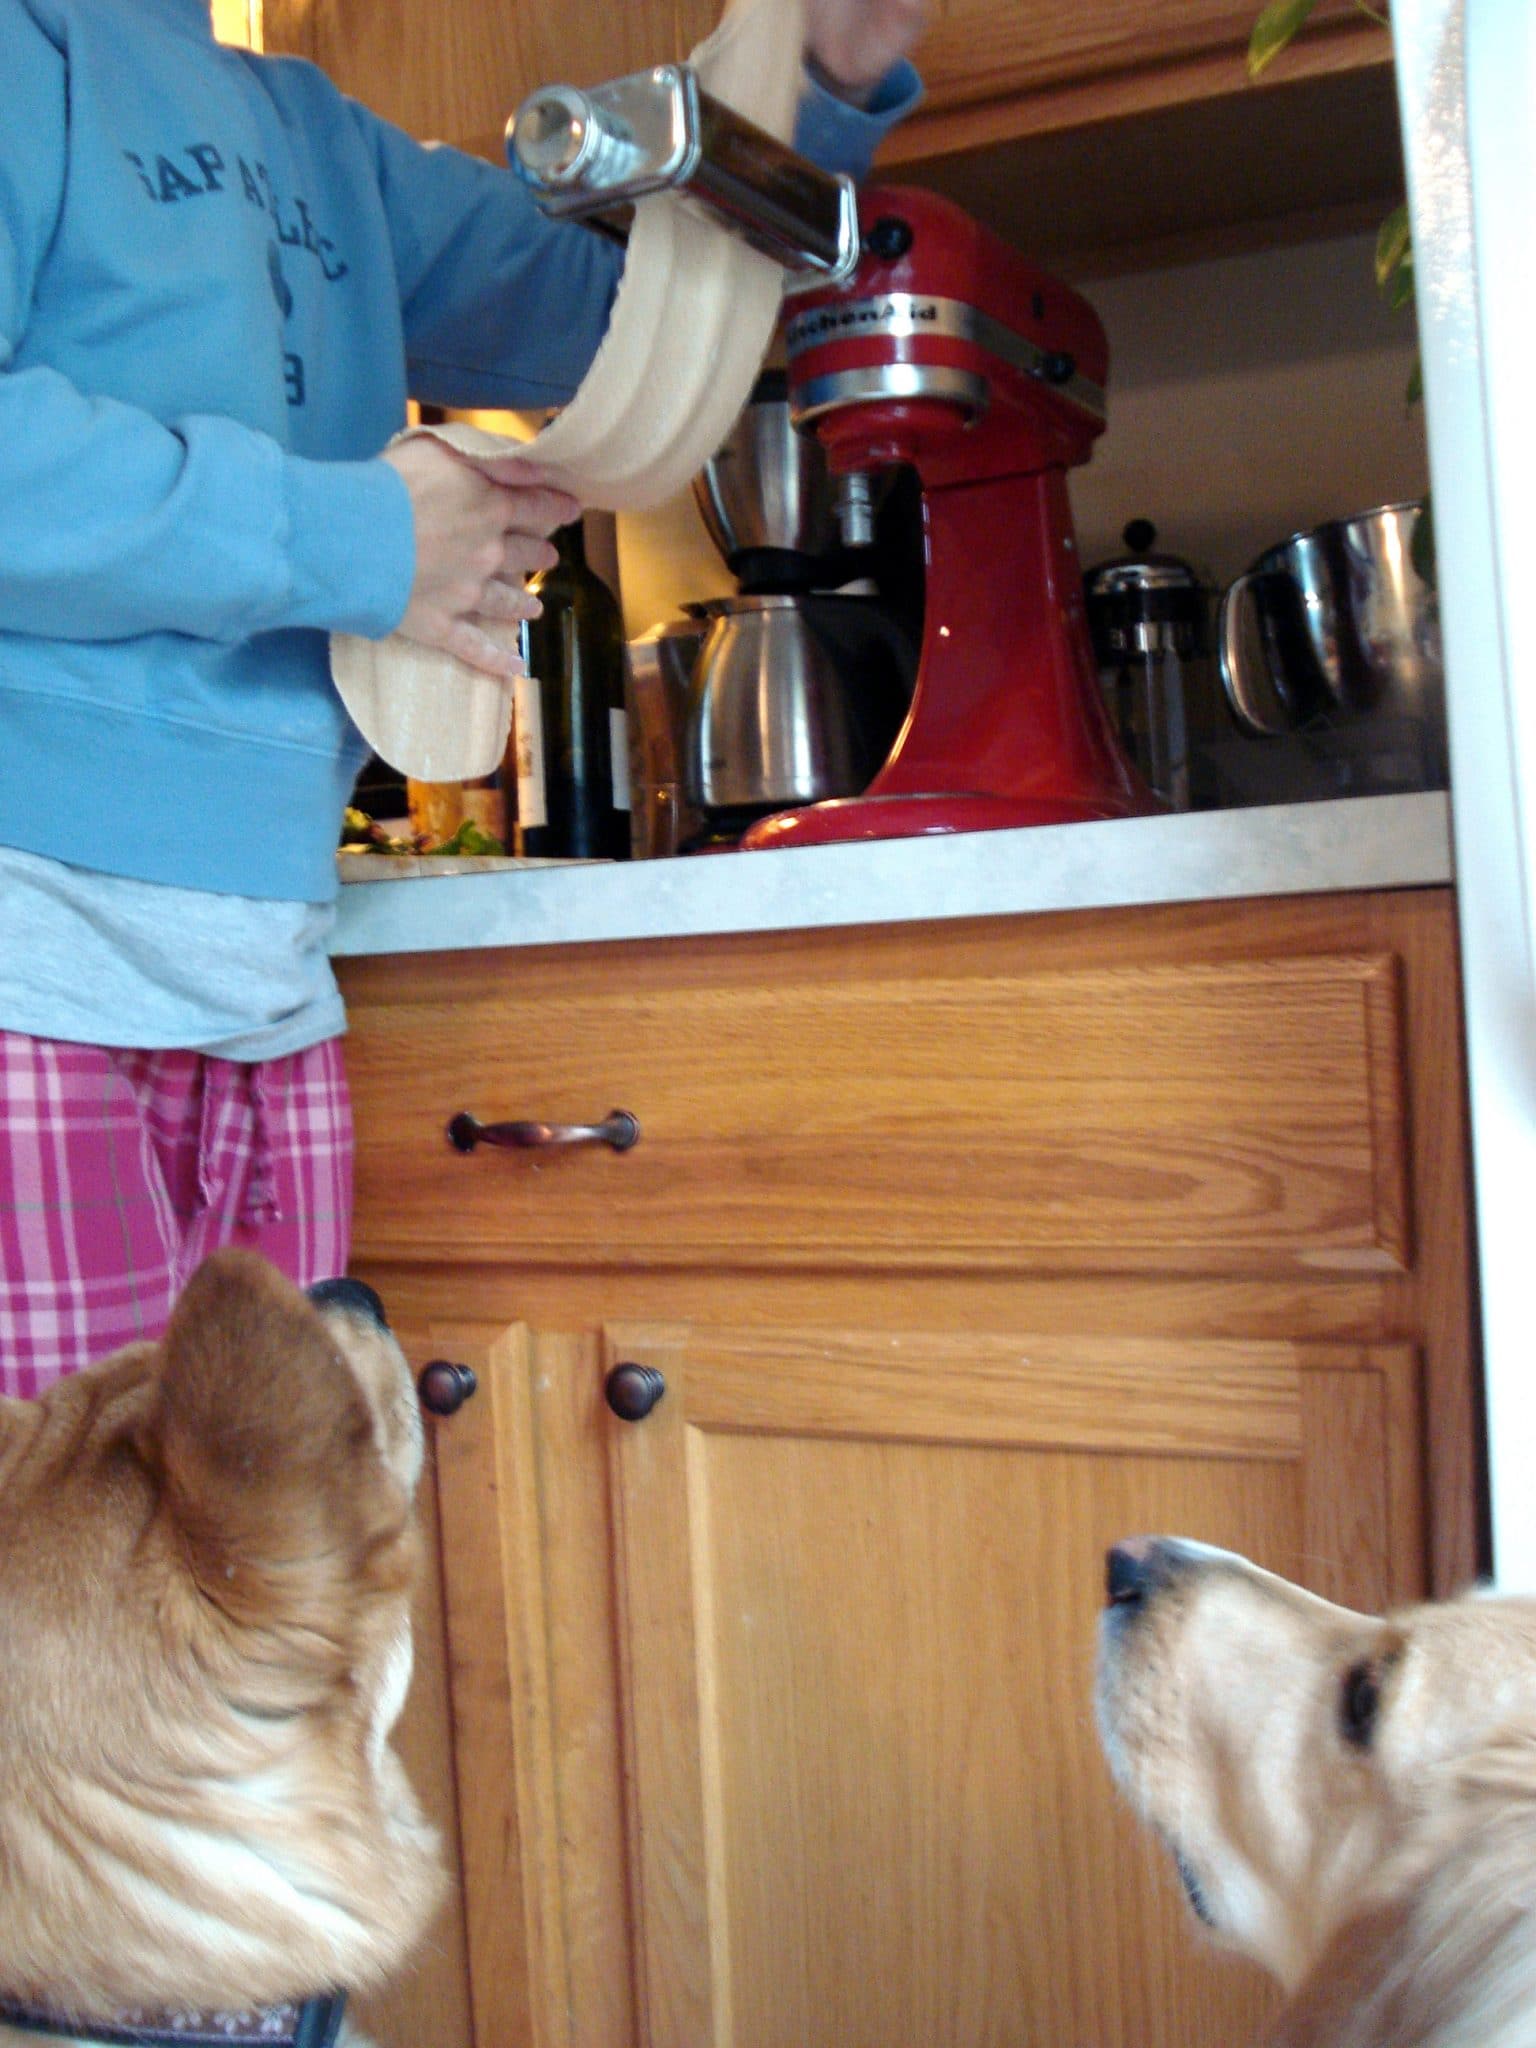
(948, 350)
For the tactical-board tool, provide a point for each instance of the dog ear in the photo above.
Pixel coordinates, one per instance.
(271, 1473)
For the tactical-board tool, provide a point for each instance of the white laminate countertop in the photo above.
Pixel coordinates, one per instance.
(1382, 842)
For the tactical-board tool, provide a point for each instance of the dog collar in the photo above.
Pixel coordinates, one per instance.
(313, 2024)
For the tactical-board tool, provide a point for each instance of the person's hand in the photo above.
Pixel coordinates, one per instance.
(480, 529)
(853, 43)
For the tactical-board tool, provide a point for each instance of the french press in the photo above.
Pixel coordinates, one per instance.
(1148, 615)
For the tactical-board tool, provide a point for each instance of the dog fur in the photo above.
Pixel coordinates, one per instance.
(207, 1548)
(1350, 1801)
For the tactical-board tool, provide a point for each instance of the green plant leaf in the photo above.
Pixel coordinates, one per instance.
(1400, 289)
(1415, 391)
(1394, 245)
(1274, 28)
(1421, 548)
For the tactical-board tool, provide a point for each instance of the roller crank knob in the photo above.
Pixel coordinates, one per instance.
(632, 1391)
(889, 238)
(443, 1387)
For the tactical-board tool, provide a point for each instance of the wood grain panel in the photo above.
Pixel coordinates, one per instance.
(429, 1998)
(453, 70)
(498, 1660)
(1092, 1393)
(859, 1668)
(975, 109)
(984, 49)
(1245, 1116)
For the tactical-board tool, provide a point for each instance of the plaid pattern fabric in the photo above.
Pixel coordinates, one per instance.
(120, 1170)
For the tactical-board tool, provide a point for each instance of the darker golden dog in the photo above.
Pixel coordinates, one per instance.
(206, 1554)
(1350, 1801)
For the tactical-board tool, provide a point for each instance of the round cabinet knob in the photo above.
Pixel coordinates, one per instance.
(632, 1391)
(444, 1387)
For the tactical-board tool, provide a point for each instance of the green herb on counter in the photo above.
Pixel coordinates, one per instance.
(361, 834)
(471, 839)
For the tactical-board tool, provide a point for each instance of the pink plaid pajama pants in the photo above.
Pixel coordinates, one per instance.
(121, 1170)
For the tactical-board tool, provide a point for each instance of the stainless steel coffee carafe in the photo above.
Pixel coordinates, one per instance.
(795, 698)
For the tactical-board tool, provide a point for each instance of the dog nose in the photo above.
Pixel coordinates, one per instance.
(354, 1295)
(1132, 1570)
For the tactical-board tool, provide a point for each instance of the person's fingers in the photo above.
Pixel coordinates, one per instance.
(538, 509)
(477, 644)
(517, 471)
(503, 598)
(524, 554)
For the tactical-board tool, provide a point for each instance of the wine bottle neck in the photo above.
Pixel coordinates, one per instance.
(572, 543)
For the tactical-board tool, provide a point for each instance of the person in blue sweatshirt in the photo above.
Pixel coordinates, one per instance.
(220, 280)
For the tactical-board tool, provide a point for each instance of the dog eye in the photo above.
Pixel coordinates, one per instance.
(1359, 1700)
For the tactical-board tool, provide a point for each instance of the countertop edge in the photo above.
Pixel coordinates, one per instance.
(1380, 842)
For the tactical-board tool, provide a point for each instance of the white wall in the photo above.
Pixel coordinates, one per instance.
(1249, 396)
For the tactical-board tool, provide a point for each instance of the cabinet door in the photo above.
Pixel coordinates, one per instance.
(845, 1697)
(858, 1586)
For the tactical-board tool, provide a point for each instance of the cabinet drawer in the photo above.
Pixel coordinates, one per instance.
(1239, 1115)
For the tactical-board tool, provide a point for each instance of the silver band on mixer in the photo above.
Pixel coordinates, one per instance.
(895, 315)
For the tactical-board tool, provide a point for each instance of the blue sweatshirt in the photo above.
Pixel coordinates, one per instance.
(219, 281)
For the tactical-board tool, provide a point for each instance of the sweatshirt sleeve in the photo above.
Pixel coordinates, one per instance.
(114, 523)
(501, 307)
(504, 307)
(842, 137)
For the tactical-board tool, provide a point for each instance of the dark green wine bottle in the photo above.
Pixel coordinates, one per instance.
(567, 774)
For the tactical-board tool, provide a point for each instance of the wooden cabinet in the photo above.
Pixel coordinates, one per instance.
(961, 1251)
(981, 51)
(996, 72)
(454, 72)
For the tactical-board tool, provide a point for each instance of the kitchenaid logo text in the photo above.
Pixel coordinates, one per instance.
(897, 314)
(199, 168)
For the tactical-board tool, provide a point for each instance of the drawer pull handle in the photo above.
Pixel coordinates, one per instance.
(618, 1129)
(444, 1387)
(632, 1391)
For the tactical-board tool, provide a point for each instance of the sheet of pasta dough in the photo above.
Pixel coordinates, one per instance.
(692, 320)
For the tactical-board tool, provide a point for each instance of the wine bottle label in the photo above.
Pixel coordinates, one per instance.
(618, 751)
(528, 730)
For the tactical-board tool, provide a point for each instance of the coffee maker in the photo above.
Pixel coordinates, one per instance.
(802, 678)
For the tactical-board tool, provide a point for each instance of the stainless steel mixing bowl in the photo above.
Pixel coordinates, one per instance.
(1344, 627)
(767, 488)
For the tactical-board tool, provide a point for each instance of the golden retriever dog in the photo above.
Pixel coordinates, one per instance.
(207, 1547)
(1349, 1801)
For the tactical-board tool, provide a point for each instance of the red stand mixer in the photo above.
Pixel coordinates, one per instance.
(917, 337)
(949, 351)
